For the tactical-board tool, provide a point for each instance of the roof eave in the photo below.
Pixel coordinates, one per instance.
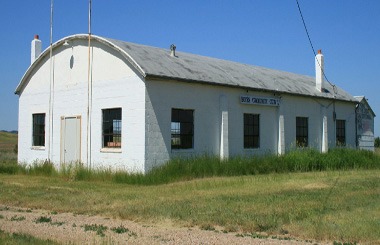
(162, 77)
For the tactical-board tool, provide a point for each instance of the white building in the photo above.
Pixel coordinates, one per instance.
(129, 106)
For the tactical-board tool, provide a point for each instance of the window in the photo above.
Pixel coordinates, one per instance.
(340, 132)
(112, 128)
(39, 129)
(182, 129)
(251, 131)
(302, 131)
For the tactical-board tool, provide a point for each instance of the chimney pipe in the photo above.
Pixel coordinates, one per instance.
(36, 48)
(319, 71)
(172, 50)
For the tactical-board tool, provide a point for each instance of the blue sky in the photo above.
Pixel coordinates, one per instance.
(266, 33)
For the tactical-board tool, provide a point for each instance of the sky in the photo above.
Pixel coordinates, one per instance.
(267, 33)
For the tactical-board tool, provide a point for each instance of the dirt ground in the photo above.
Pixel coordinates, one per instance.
(67, 228)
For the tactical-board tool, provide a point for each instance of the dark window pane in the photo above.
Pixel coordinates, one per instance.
(251, 131)
(112, 125)
(39, 129)
(340, 132)
(302, 131)
(182, 129)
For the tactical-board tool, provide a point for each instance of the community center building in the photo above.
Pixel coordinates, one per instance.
(110, 103)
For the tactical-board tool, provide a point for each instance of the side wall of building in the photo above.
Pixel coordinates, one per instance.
(114, 85)
(209, 102)
(365, 127)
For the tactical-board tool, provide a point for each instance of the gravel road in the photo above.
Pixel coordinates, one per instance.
(68, 228)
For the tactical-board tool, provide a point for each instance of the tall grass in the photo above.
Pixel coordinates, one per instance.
(180, 169)
(307, 160)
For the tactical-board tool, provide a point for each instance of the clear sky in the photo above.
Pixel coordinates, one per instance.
(266, 33)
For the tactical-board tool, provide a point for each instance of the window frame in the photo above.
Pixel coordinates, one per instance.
(38, 130)
(182, 120)
(251, 131)
(108, 123)
(340, 135)
(302, 131)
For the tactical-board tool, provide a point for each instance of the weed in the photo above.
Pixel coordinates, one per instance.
(57, 223)
(43, 219)
(100, 229)
(207, 227)
(17, 218)
(120, 229)
(1, 216)
(259, 236)
(53, 212)
(4, 208)
(344, 243)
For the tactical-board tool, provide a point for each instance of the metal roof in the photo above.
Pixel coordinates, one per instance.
(157, 63)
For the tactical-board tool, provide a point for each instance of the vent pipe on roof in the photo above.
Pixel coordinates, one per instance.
(172, 50)
(319, 71)
(36, 49)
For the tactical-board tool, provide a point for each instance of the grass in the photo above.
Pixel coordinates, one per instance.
(18, 238)
(302, 194)
(337, 206)
(175, 170)
(8, 141)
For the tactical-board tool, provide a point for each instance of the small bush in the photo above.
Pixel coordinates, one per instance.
(377, 142)
(120, 229)
(43, 219)
(17, 218)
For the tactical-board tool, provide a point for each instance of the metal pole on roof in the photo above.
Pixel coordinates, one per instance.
(89, 91)
(51, 131)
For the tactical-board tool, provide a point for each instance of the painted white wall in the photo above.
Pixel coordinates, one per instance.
(115, 84)
(162, 96)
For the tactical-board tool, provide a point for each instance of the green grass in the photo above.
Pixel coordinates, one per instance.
(175, 170)
(7, 141)
(304, 193)
(337, 206)
(8, 155)
(20, 239)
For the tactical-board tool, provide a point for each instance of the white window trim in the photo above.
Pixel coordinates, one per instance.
(111, 150)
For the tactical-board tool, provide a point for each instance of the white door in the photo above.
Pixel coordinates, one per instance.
(70, 139)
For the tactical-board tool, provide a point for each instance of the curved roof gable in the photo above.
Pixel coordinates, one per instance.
(157, 63)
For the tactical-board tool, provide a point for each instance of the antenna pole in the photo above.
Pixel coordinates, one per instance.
(89, 92)
(50, 143)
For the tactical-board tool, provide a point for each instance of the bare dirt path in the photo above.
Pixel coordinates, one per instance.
(67, 228)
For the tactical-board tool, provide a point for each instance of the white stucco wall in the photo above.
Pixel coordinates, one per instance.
(115, 84)
(162, 96)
